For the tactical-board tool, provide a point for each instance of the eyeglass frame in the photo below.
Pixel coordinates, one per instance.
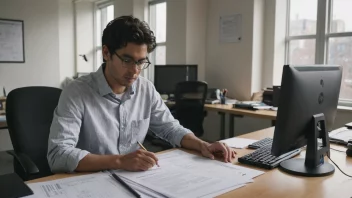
(135, 63)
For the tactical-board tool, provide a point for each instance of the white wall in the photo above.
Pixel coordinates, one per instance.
(229, 64)
(66, 40)
(235, 66)
(48, 40)
(41, 37)
(176, 31)
(258, 45)
(196, 26)
(84, 17)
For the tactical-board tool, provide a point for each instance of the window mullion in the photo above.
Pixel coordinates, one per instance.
(321, 31)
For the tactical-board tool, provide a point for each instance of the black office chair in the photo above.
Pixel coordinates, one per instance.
(29, 113)
(189, 105)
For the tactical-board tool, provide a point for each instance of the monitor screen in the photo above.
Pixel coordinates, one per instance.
(167, 76)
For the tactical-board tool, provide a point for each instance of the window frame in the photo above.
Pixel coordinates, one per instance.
(322, 36)
(99, 5)
(158, 44)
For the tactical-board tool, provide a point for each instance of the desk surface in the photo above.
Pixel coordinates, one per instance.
(228, 108)
(275, 183)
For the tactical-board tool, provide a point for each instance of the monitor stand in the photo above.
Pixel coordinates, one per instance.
(313, 165)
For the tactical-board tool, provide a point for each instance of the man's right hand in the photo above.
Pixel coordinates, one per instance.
(139, 160)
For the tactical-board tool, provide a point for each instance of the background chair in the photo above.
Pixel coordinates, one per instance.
(190, 98)
(188, 109)
(29, 113)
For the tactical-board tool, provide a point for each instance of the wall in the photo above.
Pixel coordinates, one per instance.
(66, 40)
(274, 42)
(258, 45)
(235, 66)
(48, 46)
(229, 64)
(41, 44)
(176, 32)
(196, 26)
(84, 17)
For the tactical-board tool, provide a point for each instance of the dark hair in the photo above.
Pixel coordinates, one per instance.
(127, 29)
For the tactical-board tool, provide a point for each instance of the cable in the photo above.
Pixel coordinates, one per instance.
(337, 150)
(338, 167)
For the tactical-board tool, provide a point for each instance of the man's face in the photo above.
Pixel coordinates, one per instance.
(121, 66)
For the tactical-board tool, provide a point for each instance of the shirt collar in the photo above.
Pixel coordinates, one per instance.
(103, 86)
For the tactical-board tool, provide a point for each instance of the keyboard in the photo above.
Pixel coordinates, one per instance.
(261, 143)
(262, 157)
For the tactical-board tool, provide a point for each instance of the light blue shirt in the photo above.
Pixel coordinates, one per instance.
(90, 118)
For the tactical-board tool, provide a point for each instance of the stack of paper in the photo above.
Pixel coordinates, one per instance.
(185, 175)
(180, 175)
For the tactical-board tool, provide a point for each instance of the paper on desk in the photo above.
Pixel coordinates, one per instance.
(223, 191)
(96, 185)
(185, 175)
(238, 142)
(341, 134)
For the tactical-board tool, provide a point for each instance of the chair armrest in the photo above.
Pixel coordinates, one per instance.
(27, 164)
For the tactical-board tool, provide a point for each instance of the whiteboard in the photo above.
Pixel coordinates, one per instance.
(11, 41)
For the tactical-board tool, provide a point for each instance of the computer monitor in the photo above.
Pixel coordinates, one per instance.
(167, 76)
(307, 108)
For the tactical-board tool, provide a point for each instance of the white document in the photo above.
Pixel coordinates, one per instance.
(11, 41)
(230, 29)
(341, 135)
(238, 142)
(96, 185)
(186, 175)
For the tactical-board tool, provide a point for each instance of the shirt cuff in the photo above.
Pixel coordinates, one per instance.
(76, 156)
(181, 133)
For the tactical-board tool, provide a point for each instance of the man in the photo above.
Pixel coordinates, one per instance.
(101, 116)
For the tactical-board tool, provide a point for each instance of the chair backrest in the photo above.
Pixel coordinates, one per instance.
(29, 113)
(189, 107)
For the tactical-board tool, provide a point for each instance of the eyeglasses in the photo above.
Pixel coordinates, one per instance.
(129, 62)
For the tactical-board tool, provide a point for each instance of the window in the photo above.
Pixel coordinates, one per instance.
(320, 32)
(103, 15)
(157, 22)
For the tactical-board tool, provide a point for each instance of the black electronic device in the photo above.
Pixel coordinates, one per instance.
(263, 158)
(261, 143)
(349, 148)
(167, 76)
(306, 112)
(11, 185)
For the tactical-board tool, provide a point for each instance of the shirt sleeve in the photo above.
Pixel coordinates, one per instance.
(163, 124)
(63, 156)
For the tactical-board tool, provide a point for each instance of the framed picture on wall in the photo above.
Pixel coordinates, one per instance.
(11, 41)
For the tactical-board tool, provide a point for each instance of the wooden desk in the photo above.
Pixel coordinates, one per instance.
(235, 112)
(275, 183)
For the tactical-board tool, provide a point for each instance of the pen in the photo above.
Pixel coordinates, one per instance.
(117, 178)
(145, 150)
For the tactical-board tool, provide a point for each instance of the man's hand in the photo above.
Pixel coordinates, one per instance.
(218, 149)
(139, 160)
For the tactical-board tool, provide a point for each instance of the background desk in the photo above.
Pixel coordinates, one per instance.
(3, 124)
(224, 109)
(275, 183)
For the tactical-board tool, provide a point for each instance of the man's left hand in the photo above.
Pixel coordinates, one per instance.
(218, 149)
